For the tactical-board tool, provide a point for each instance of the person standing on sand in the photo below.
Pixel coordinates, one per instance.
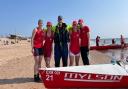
(85, 41)
(122, 41)
(97, 40)
(49, 35)
(74, 44)
(38, 35)
(61, 38)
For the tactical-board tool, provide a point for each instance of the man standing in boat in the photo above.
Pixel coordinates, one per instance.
(113, 41)
(97, 40)
(85, 41)
(122, 41)
(61, 37)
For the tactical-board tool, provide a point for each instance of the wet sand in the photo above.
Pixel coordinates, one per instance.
(16, 66)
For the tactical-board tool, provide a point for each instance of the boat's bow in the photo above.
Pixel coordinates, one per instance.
(105, 75)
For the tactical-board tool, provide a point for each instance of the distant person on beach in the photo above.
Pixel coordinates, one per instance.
(113, 41)
(85, 41)
(7, 42)
(122, 41)
(49, 35)
(4, 42)
(61, 38)
(97, 40)
(38, 35)
(74, 48)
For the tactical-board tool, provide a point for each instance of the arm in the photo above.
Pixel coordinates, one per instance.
(88, 35)
(32, 39)
(45, 34)
(70, 32)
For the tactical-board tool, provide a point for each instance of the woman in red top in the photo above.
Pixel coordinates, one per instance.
(48, 44)
(74, 44)
(37, 48)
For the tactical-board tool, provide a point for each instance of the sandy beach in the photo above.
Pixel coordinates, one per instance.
(16, 66)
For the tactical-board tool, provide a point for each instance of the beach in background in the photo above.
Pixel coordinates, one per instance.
(16, 64)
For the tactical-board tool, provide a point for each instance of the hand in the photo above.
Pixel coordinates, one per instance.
(32, 50)
(88, 47)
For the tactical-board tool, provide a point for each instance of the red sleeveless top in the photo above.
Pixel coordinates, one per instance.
(74, 42)
(39, 38)
(84, 36)
(48, 40)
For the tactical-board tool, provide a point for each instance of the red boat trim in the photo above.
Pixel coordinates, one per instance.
(106, 47)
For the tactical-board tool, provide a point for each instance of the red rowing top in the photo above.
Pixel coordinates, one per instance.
(74, 42)
(49, 40)
(84, 36)
(39, 38)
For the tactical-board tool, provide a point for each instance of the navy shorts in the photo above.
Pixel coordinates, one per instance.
(38, 51)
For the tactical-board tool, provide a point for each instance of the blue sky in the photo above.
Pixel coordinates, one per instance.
(107, 18)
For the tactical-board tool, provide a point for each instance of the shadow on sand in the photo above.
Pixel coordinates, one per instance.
(86, 88)
(15, 81)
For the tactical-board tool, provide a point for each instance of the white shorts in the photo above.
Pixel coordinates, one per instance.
(72, 54)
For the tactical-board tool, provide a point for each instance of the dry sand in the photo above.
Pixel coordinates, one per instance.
(16, 66)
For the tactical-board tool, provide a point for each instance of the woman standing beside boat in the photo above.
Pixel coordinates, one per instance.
(37, 48)
(48, 44)
(74, 44)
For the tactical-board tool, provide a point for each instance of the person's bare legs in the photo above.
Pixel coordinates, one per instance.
(36, 58)
(71, 60)
(77, 60)
(47, 61)
(39, 63)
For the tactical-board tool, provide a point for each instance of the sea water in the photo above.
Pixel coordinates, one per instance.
(114, 54)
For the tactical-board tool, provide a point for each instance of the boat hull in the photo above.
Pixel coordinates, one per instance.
(64, 79)
(106, 47)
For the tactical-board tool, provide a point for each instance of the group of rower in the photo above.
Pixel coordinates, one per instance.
(73, 42)
(122, 41)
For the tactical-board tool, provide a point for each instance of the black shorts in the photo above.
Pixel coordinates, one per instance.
(38, 51)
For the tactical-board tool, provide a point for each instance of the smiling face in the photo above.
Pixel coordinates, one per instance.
(49, 27)
(74, 25)
(80, 22)
(60, 19)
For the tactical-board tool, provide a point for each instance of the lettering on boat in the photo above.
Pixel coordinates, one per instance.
(50, 73)
(92, 77)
